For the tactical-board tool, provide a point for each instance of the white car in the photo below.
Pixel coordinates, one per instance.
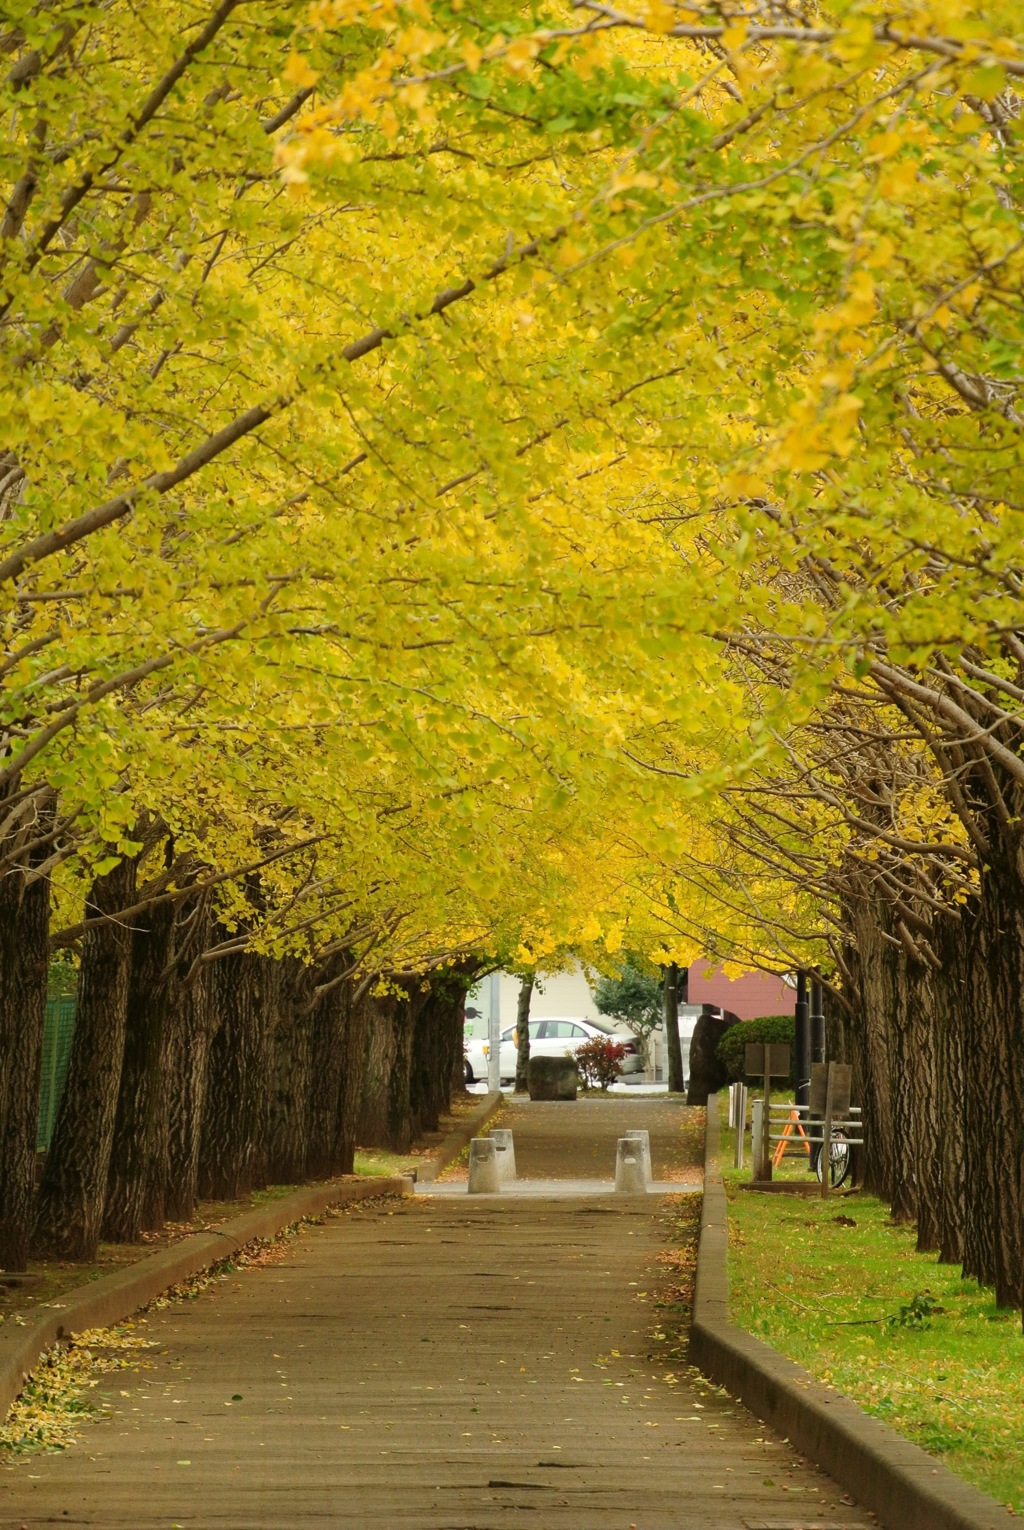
(553, 1037)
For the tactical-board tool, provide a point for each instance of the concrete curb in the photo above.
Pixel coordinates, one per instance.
(456, 1140)
(115, 1297)
(907, 1488)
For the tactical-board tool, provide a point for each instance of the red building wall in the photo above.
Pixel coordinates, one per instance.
(749, 996)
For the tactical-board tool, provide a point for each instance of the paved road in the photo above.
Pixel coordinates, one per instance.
(578, 1142)
(436, 1364)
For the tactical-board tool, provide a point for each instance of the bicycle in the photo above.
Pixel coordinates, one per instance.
(840, 1158)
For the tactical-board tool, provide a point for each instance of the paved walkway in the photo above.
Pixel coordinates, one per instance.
(569, 1153)
(438, 1364)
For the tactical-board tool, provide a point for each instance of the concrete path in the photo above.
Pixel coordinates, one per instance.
(571, 1153)
(434, 1364)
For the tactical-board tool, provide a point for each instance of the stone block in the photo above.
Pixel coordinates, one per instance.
(552, 1078)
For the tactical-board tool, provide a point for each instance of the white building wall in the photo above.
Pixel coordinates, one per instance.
(557, 994)
(560, 993)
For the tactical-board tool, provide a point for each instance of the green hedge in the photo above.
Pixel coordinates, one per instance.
(770, 1028)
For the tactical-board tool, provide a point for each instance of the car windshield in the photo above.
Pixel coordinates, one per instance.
(602, 1025)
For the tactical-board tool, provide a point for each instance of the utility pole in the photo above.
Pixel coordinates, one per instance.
(494, 1036)
(671, 1008)
(803, 1041)
(817, 1021)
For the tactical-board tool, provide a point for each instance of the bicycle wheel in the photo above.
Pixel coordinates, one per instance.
(840, 1159)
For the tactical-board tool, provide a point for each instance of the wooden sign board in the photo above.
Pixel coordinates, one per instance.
(761, 1061)
(842, 1080)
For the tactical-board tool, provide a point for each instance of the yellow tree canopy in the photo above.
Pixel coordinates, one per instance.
(407, 413)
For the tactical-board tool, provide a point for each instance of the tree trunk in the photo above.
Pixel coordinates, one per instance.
(291, 1079)
(993, 1085)
(379, 1049)
(141, 1101)
(453, 1022)
(190, 1025)
(330, 1035)
(71, 1197)
(232, 1156)
(458, 1079)
(439, 1023)
(870, 958)
(676, 1081)
(950, 999)
(356, 1030)
(24, 955)
(928, 1125)
(707, 1074)
(903, 1087)
(523, 1034)
(401, 1129)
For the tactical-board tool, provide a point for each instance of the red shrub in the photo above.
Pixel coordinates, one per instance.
(599, 1062)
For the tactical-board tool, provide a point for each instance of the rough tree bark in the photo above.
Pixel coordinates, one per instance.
(437, 1037)
(141, 1100)
(381, 1038)
(72, 1194)
(994, 1084)
(189, 1034)
(453, 1021)
(926, 1117)
(232, 1157)
(291, 1077)
(330, 1043)
(400, 1130)
(523, 1034)
(949, 1000)
(357, 1027)
(706, 1073)
(904, 1088)
(24, 956)
(869, 957)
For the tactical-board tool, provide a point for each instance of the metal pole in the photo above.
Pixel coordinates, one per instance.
(826, 1135)
(741, 1122)
(766, 1122)
(803, 1041)
(757, 1140)
(494, 1035)
(817, 1022)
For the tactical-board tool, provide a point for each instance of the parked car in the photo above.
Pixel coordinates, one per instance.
(477, 1050)
(552, 1037)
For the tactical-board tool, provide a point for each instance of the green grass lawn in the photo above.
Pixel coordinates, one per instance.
(840, 1289)
(377, 1162)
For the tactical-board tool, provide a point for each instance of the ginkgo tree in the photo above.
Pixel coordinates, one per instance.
(451, 462)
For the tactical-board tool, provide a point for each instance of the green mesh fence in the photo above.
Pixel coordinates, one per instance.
(57, 1032)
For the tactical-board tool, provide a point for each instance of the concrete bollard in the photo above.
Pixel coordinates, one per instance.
(630, 1173)
(502, 1139)
(643, 1137)
(484, 1175)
